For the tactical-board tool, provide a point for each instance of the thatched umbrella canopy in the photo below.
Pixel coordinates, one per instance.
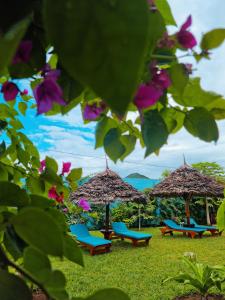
(187, 182)
(105, 188)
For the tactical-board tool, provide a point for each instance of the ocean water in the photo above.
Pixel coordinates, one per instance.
(141, 183)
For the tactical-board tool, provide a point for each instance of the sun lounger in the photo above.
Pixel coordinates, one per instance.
(120, 229)
(212, 229)
(96, 245)
(171, 226)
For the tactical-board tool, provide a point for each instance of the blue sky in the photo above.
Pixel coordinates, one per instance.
(66, 138)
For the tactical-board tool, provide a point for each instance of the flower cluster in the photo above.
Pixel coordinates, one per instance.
(83, 203)
(52, 194)
(149, 93)
(48, 91)
(65, 167)
(10, 91)
(93, 111)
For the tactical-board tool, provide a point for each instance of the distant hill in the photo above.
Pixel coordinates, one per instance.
(137, 175)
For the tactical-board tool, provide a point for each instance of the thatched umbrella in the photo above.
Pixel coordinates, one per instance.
(187, 182)
(105, 188)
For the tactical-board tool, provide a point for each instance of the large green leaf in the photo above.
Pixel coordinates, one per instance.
(13, 287)
(213, 39)
(50, 176)
(173, 118)
(179, 78)
(103, 126)
(129, 141)
(75, 174)
(109, 294)
(200, 123)
(221, 216)
(154, 131)
(10, 41)
(39, 229)
(72, 251)
(113, 146)
(12, 195)
(51, 163)
(41, 202)
(35, 185)
(194, 95)
(165, 11)
(101, 42)
(37, 263)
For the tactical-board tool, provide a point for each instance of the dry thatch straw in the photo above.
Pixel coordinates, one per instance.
(106, 187)
(188, 182)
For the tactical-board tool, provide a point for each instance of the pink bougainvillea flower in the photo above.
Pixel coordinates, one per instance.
(66, 167)
(24, 92)
(10, 90)
(161, 79)
(147, 95)
(185, 38)
(46, 93)
(23, 52)
(83, 203)
(65, 210)
(93, 111)
(43, 165)
(47, 72)
(52, 193)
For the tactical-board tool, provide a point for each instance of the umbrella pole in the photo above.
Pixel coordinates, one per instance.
(107, 217)
(187, 209)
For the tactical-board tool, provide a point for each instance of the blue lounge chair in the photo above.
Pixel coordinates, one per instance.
(212, 229)
(96, 245)
(171, 226)
(120, 229)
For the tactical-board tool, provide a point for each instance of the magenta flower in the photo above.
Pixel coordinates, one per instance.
(52, 194)
(46, 93)
(93, 111)
(185, 38)
(83, 203)
(23, 52)
(24, 92)
(66, 167)
(10, 90)
(65, 210)
(43, 165)
(147, 95)
(161, 79)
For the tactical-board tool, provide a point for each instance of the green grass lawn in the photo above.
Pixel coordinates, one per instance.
(140, 271)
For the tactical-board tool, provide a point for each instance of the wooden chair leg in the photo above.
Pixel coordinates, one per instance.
(147, 241)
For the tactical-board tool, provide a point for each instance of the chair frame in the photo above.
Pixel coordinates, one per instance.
(135, 242)
(96, 249)
(168, 230)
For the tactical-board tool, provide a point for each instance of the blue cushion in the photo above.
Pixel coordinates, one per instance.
(120, 228)
(80, 230)
(93, 241)
(173, 225)
(134, 234)
(202, 226)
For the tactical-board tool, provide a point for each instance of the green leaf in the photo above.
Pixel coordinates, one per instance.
(179, 78)
(213, 39)
(37, 263)
(113, 145)
(16, 124)
(13, 287)
(39, 229)
(129, 141)
(154, 131)
(22, 108)
(12, 195)
(75, 174)
(103, 126)
(156, 29)
(72, 251)
(3, 124)
(3, 173)
(23, 156)
(50, 176)
(40, 201)
(2, 148)
(165, 11)
(51, 163)
(123, 40)
(221, 216)
(173, 118)
(200, 123)
(10, 41)
(35, 185)
(109, 294)
(194, 95)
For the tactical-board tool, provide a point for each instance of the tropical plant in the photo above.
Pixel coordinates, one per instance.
(199, 276)
(72, 52)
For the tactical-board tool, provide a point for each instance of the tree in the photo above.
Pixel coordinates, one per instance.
(216, 171)
(82, 52)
